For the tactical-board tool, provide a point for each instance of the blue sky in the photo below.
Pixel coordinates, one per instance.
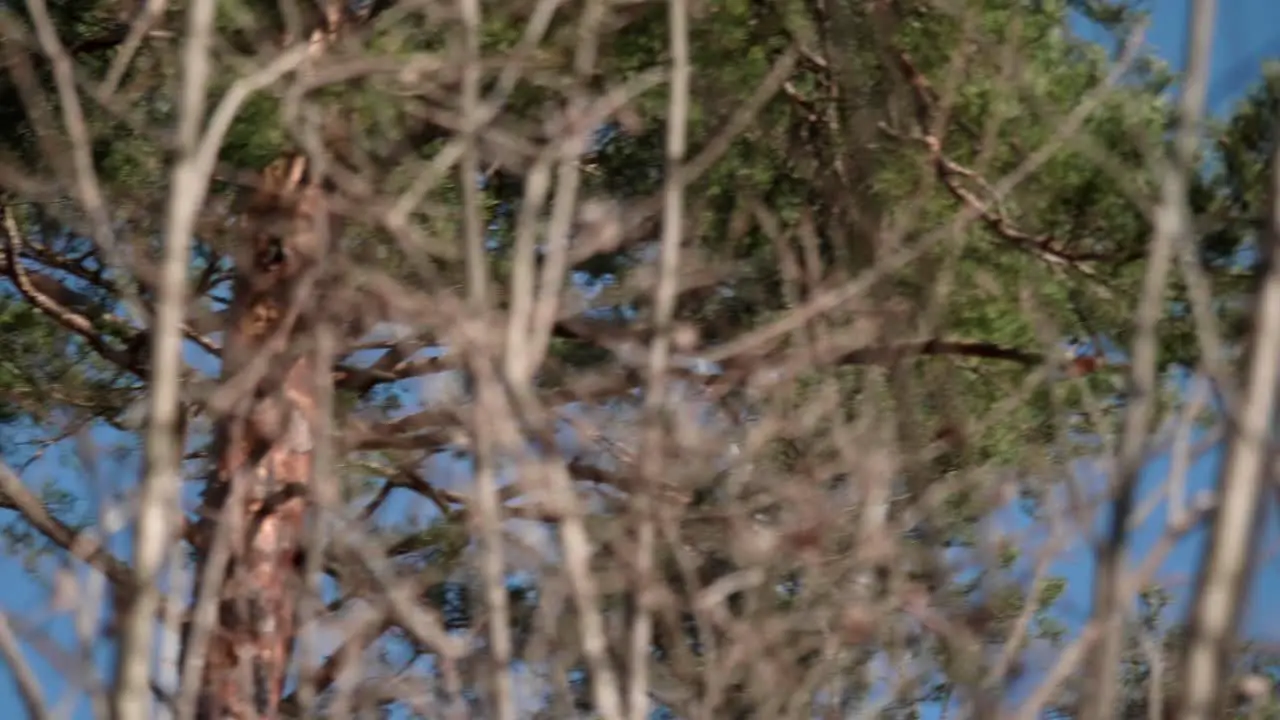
(1248, 32)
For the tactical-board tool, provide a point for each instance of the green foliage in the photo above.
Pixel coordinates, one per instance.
(831, 168)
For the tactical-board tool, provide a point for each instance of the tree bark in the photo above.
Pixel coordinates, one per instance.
(264, 449)
(260, 490)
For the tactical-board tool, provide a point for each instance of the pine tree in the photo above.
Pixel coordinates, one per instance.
(914, 236)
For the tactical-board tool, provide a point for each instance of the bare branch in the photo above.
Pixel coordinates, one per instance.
(158, 500)
(1172, 223)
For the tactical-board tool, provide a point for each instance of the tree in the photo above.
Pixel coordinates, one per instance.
(769, 377)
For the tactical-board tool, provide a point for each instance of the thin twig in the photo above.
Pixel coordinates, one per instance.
(488, 515)
(655, 424)
(138, 31)
(23, 676)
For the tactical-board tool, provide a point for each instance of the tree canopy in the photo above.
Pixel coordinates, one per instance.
(742, 356)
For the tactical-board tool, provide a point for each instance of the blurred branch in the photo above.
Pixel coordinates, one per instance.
(1226, 566)
(159, 495)
(1172, 223)
(23, 676)
(73, 321)
(15, 495)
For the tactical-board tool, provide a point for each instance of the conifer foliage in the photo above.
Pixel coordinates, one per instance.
(625, 358)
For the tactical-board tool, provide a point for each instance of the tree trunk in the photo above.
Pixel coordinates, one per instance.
(257, 500)
(264, 446)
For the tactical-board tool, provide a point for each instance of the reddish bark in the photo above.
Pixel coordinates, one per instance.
(266, 443)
